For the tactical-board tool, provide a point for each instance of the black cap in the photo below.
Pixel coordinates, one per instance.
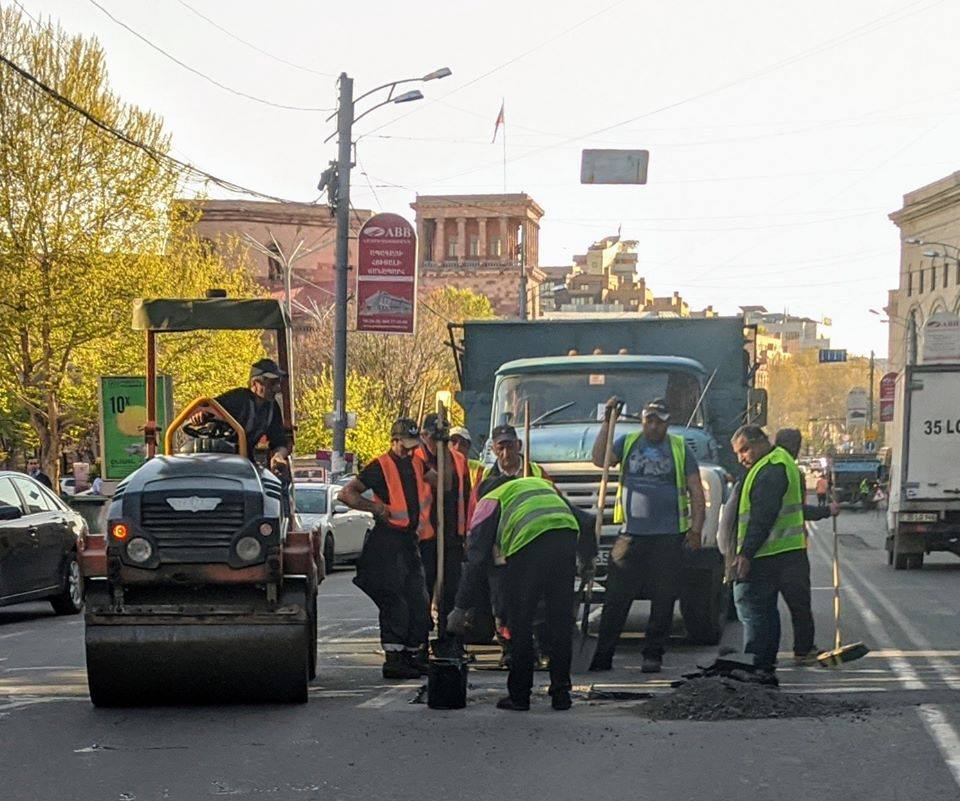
(657, 408)
(504, 433)
(430, 423)
(407, 431)
(266, 368)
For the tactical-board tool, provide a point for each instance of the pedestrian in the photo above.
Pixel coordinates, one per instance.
(795, 584)
(456, 511)
(823, 487)
(34, 471)
(460, 440)
(537, 532)
(771, 547)
(389, 569)
(661, 504)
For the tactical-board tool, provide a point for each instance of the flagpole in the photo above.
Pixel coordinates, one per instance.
(504, 149)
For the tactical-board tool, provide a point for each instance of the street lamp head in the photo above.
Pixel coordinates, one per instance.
(874, 311)
(930, 254)
(913, 240)
(443, 72)
(407, 97)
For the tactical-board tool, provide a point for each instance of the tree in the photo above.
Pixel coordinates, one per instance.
(408, 368)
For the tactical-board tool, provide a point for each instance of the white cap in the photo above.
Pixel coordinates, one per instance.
(460, 431)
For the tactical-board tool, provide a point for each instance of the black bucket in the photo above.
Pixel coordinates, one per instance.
(447, 684)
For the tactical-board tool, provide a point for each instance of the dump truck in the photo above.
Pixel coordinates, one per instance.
(847, 473)
(566, 370)
(923, 514)
(201, 589)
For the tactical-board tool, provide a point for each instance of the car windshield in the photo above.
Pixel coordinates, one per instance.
(580, 396)
(312, 500)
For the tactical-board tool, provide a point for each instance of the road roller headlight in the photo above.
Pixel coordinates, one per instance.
(248, 548)
(266, 529)
(139, 550)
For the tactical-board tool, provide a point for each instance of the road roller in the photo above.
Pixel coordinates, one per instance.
(202, 590)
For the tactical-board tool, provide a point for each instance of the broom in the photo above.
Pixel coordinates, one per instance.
(841, 653)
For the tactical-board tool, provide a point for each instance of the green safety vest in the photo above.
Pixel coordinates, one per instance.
(528, 508)
(787, 532)
(535, 471)
(679, 449)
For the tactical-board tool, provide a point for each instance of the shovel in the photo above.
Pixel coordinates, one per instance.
(584, 645)
(841, 653)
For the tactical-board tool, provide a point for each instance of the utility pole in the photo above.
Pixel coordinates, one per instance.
(523, 271)
(344, 142)
(870, 407)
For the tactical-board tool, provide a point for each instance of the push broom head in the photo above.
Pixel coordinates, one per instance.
(838, 656)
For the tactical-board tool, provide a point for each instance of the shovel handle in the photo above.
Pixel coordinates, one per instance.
(610, 418)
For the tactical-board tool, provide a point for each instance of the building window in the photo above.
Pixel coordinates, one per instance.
(910, 282)
(452, 249)
(921, 273)
(496, 246)
(473, 246)
(912, 338)
(946, 275)
(933, 278)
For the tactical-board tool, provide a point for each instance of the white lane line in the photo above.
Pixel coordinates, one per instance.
(944, 735)
(389, 695)
(45, 667)
(13, 634)
(941, 731)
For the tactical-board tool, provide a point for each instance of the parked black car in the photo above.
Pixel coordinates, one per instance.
(39, 536)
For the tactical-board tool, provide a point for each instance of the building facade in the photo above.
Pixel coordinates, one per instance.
(486, 243)
(929, 275)
(796, 334)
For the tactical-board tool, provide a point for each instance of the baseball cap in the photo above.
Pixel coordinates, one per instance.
(657, 408)
(460, 431)
(407, 431)
(430, 423)
(266, 368)
(504, 433)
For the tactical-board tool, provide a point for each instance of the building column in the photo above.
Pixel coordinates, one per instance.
(504, 244)
(482, 236)
(461, 238)
(423, 253)
(439, 241)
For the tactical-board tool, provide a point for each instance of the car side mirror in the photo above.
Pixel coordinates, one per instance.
(8, 512)
(340, 508)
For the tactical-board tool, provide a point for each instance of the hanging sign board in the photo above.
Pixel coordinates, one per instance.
(888, 388)
(387, 276)
(941, 338)
(123, 414)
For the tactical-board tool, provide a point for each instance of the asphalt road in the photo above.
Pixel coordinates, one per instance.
(361, 738)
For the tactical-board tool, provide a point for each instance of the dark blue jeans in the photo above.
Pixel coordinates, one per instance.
(756, 601)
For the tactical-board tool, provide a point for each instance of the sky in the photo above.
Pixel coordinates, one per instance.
(781, 135)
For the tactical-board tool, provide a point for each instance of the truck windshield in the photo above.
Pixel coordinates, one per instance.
(586, 393)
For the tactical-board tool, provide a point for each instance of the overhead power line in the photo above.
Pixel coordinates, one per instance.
(197, 72)
(252, 46)
(157, 155)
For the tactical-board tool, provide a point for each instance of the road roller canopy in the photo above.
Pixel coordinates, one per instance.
(228, 314)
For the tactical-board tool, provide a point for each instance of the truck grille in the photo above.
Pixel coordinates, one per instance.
(183, 536)
(581, 490)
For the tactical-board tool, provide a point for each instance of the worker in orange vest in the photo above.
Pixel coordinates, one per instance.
(389, 569)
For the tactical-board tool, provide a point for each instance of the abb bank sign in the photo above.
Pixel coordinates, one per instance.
(387, 276)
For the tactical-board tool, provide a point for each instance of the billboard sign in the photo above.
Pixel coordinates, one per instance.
(123, 414)
(941, 338)
(828, 356)
(858, 399)
(387, 276)
(614, 166)
(888, 389)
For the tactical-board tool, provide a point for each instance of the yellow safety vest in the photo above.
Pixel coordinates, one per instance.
(787, 532)
(679, 449)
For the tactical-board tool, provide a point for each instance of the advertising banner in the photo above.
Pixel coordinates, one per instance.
(387, 276)
(857, 403)
(941, 338)
(123, 414)
(888, 389)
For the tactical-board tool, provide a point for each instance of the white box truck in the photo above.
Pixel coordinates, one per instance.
(924, 510)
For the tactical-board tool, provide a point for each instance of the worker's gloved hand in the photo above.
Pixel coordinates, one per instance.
(612, 402)
(457, 621)
(199, 418)
(586, 569)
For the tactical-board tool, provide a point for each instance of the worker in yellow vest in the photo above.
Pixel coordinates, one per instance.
(770, 542)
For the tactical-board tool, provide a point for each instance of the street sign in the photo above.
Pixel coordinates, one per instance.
(836, 355)
(870, 446)
(387, 275)
(123, 414)
(941, 338)
(614, 166)
(870, 435)
(888, 389)
(857, 404)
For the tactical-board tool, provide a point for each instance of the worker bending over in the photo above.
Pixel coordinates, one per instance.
(389, 569)
(537, 533)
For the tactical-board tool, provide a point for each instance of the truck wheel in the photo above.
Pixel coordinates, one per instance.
(889, 556)
(915, 561)
(70, 599)
(329, 553)
(703, 603)
(312, 633)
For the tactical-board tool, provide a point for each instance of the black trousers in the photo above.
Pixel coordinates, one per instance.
(452, 562)
(390, 572)
(795, 589)
(654, 562)
(546, 568)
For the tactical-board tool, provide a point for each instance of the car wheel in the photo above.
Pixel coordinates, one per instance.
(328, 554)
(70, 599)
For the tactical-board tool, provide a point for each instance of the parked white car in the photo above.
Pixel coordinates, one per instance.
(341, 528)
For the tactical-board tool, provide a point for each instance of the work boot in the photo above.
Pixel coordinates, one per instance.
(418, 660)
(515, 706)
(396, 665)
(601, 662)
(768, 678)
(809, 658)
(560, 700)
(651, 664)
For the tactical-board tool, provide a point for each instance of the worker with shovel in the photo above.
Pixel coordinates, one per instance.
(538, 534)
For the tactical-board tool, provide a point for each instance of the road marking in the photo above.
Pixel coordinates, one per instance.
(389, 695)
(13, 634)
(944, 735)
(45, 667)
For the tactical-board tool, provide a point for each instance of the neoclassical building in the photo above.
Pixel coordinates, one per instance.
(929, 224)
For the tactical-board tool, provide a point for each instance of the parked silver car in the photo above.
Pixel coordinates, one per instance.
(342, 529)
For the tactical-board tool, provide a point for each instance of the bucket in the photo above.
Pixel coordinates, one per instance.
(447, 684)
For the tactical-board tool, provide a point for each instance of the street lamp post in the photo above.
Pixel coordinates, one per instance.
(336, 180)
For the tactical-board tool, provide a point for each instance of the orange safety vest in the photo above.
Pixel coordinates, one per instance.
(464, 504)
(397, 507)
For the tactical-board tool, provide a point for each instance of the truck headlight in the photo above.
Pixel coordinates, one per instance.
(248, 548)
(139, 550)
